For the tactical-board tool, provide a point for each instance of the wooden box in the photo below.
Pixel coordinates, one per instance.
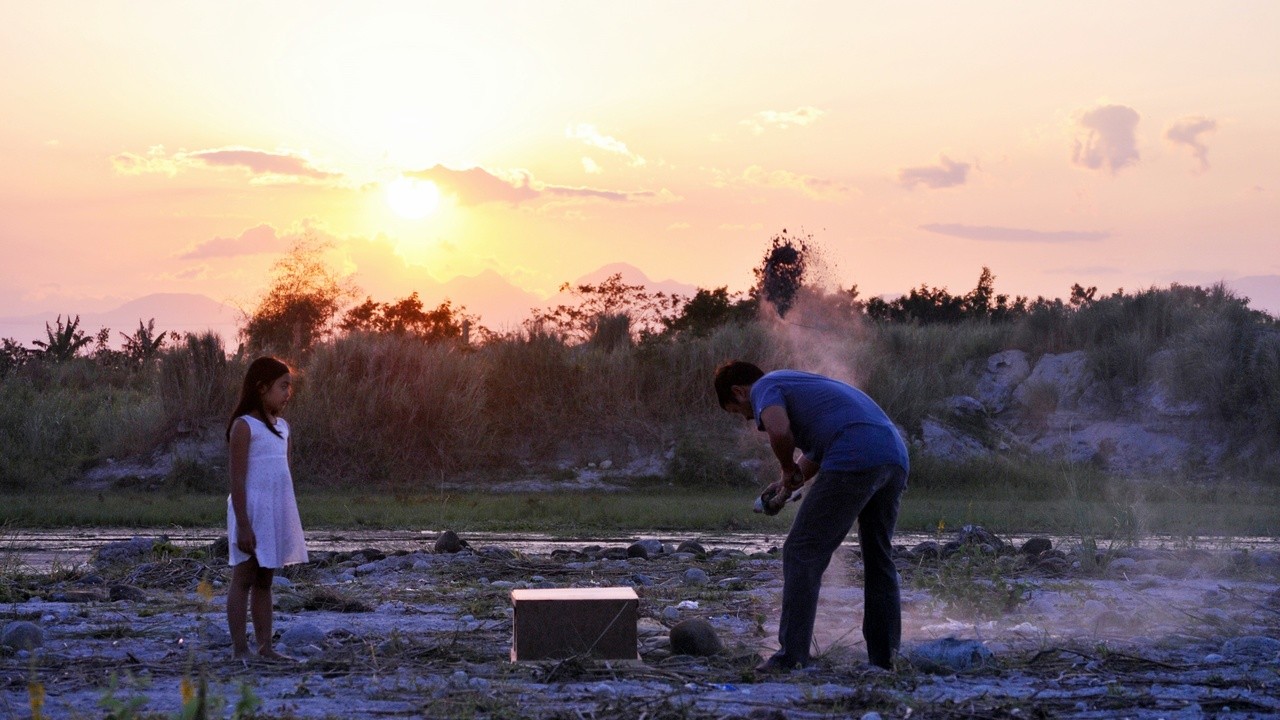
(564, 622)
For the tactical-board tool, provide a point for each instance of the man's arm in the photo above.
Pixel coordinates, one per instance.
(778, 426)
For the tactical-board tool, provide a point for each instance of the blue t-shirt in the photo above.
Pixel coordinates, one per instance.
(835, 424)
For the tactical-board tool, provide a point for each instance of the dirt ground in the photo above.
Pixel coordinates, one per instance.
(1074, 632)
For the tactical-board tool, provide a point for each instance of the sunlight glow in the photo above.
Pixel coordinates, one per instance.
(413, 199)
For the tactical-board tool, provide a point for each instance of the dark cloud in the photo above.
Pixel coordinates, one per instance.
(1108, 138)
(476, 186)
(261, 162)
(254, 241)
(1187, 131)
(1013, 235)
(945, 174)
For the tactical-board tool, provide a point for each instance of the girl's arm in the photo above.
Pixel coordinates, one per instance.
(238, 466)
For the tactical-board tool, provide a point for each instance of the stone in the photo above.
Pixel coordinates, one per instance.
(696, 576)
(950, 654)
(1036, 546)
(948, 443)
(22, 635)
(120, 591)
(125, 551)
(1067, 375)
(1255, 646)
(1004, 372)
(300, 634)
(927, 550)
(695, 637)
(978, 535)
(691, 546)
(449, 542)
(644, 549)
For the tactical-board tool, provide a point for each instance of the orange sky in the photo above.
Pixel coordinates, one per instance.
(177, 146)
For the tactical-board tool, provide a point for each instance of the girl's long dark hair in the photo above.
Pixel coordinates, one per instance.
(262, 372)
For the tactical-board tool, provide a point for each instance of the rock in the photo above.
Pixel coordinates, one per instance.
(77, 596)
(1066, 376)
(695, 576)
(449, 542)
(978, 535)
(927, 550)
(22, 635)
(645, 549)
(950, 654)
(641, 580)
(691, 546)
(1036, 546)
(1122, 567)
(695, 637)
(1254, 646)
(281, 581)
(671, 613)
(300, 634)
(120, 591)
(615, 553)
(126, 551)
(948, 443)
(214, 634)
(1004, 372)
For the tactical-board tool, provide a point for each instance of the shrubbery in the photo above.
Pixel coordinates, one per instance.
(396, 394)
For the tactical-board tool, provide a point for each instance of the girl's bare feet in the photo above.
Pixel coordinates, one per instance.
(272, 655)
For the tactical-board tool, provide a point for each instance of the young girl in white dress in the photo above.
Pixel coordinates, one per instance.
(263, 528)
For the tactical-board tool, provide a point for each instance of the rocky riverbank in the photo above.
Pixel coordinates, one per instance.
(990, 630)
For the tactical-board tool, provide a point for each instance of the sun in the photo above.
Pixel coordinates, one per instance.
(413, 199)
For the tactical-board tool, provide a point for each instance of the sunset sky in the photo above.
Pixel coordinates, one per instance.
(179, 146)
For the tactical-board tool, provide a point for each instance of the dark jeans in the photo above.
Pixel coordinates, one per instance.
(821, 524)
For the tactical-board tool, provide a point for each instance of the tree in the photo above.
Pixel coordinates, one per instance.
(596, 309)
(782, 271)
(709, 309)
(144, 344)
(302, 301)
(64, 342)
(407, 317)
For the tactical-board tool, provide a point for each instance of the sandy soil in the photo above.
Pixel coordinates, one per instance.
(1176, 632)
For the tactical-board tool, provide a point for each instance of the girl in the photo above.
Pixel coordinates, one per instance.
(263, 528)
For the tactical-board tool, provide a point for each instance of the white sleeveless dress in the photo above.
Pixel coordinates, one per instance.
(269, 500)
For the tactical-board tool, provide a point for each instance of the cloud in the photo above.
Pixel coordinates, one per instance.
(1013, 235)
(254, 241)
(591, 166)
(155, 161)
(679, 226)
(588, 134)
(945, 174)
(782, 120)
(1107, 138)
(1187, 131)
(476, 186)
(810, 185)
(266, 166)
(262, 162)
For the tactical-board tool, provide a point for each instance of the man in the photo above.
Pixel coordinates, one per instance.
(861, 466)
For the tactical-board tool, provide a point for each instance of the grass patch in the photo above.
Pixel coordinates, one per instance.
(1127, 510)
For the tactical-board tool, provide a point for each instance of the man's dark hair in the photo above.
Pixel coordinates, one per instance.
(734, 372)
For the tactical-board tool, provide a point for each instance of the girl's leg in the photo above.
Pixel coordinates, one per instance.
(260, 608)
(243, 577)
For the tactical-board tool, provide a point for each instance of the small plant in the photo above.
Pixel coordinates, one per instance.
(118, 708)
(972, 582)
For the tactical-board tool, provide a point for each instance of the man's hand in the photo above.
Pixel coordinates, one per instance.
(246, 540)
(792, 479)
